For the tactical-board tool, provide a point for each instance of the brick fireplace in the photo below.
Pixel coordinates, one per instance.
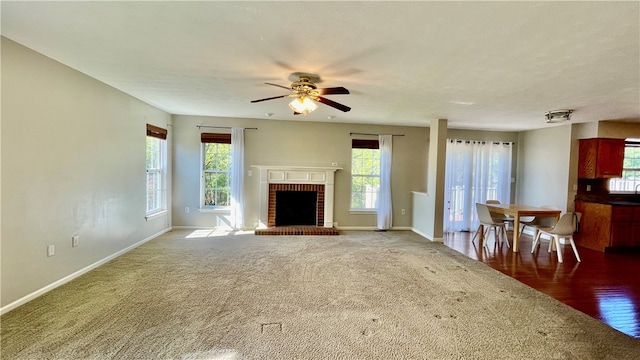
(296, 178)
(315, 188)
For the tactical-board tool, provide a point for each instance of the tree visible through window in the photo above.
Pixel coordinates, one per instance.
(630, 169)
(216, 170)
(365, 174)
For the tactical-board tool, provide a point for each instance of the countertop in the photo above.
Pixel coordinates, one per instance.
(611, 199)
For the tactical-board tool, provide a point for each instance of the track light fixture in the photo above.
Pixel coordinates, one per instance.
(556, 116)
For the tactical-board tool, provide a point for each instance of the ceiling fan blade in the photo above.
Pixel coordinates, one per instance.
(333, 91)
(280, 86)
(332, 104)
(269, 98)
(296, 113)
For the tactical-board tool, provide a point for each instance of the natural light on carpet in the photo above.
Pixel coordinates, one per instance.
(216, 232)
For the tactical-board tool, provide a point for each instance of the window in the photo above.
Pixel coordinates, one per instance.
(156, 174)
(475, 171)
(630, 169)
(216, 170)
(365, 174)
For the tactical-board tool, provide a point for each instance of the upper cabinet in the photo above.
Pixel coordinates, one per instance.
(600, 158)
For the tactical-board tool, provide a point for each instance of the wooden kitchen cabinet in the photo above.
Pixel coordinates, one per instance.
(635, 226)
(606, 226)
(621, 221)
(600, 158)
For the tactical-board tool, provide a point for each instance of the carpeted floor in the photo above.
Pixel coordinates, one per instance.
(358, 295)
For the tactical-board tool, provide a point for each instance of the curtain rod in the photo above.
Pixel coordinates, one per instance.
(221, 127)
(482, 142)
(351, 134)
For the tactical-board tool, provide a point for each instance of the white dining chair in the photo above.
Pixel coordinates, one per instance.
(539, 221)
(564, 228)
(488, 222)
(508, 220)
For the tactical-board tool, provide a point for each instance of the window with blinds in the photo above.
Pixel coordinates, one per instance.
(156, 169)
(216, 170)
(630, 169)
(365, 174)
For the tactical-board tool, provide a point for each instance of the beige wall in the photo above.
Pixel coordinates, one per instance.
(73, 163)
(278, 142)
(72, 154)
(618, 129)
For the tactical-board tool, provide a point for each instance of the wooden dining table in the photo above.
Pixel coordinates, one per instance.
(518, 211)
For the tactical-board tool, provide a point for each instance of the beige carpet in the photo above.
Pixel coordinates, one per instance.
(359, 295)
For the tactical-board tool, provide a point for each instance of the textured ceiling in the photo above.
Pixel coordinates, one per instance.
(482, 65)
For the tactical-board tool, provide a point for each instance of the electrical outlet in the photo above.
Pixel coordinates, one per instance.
(250, 173)
(588, 187)
(186, 209)
(334, 164)
(51, 250)
(74, 240)
(404, 211)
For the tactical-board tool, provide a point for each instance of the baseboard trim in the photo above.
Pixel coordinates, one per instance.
(25, 299)
(420, 233)
(440, 240)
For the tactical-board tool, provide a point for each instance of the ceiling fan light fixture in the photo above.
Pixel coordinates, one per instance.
(303, 105)
(556, 116)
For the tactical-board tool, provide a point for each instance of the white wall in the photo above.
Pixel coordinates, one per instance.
(279, 142)
(73, 163)
(544, 163)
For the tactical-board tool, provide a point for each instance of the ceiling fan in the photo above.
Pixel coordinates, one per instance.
(305, 92)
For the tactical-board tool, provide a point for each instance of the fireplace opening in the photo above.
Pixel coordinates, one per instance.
(296, 208)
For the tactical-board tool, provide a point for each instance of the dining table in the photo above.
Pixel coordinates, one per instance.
(518, 211)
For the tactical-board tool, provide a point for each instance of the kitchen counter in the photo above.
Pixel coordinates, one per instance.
(611, 199)
(608, 223)
(623, 203)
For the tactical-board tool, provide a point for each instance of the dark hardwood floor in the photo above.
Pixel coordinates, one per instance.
(605, 286)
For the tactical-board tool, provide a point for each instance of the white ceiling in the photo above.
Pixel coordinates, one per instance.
(481, 65)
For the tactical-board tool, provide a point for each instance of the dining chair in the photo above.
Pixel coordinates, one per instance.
(564, 228)
(486, 220)
(509, 220)
(539, 221)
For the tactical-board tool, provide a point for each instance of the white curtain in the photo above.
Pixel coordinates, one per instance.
(384, 197)
(475, 172)
(237, 177)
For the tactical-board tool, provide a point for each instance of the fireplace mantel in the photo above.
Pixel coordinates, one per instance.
(286, 174)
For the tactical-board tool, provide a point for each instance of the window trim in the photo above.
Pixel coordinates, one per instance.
(160, 134)
(361, 144)
(156, 132)
(211, 138)
(629, 143)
